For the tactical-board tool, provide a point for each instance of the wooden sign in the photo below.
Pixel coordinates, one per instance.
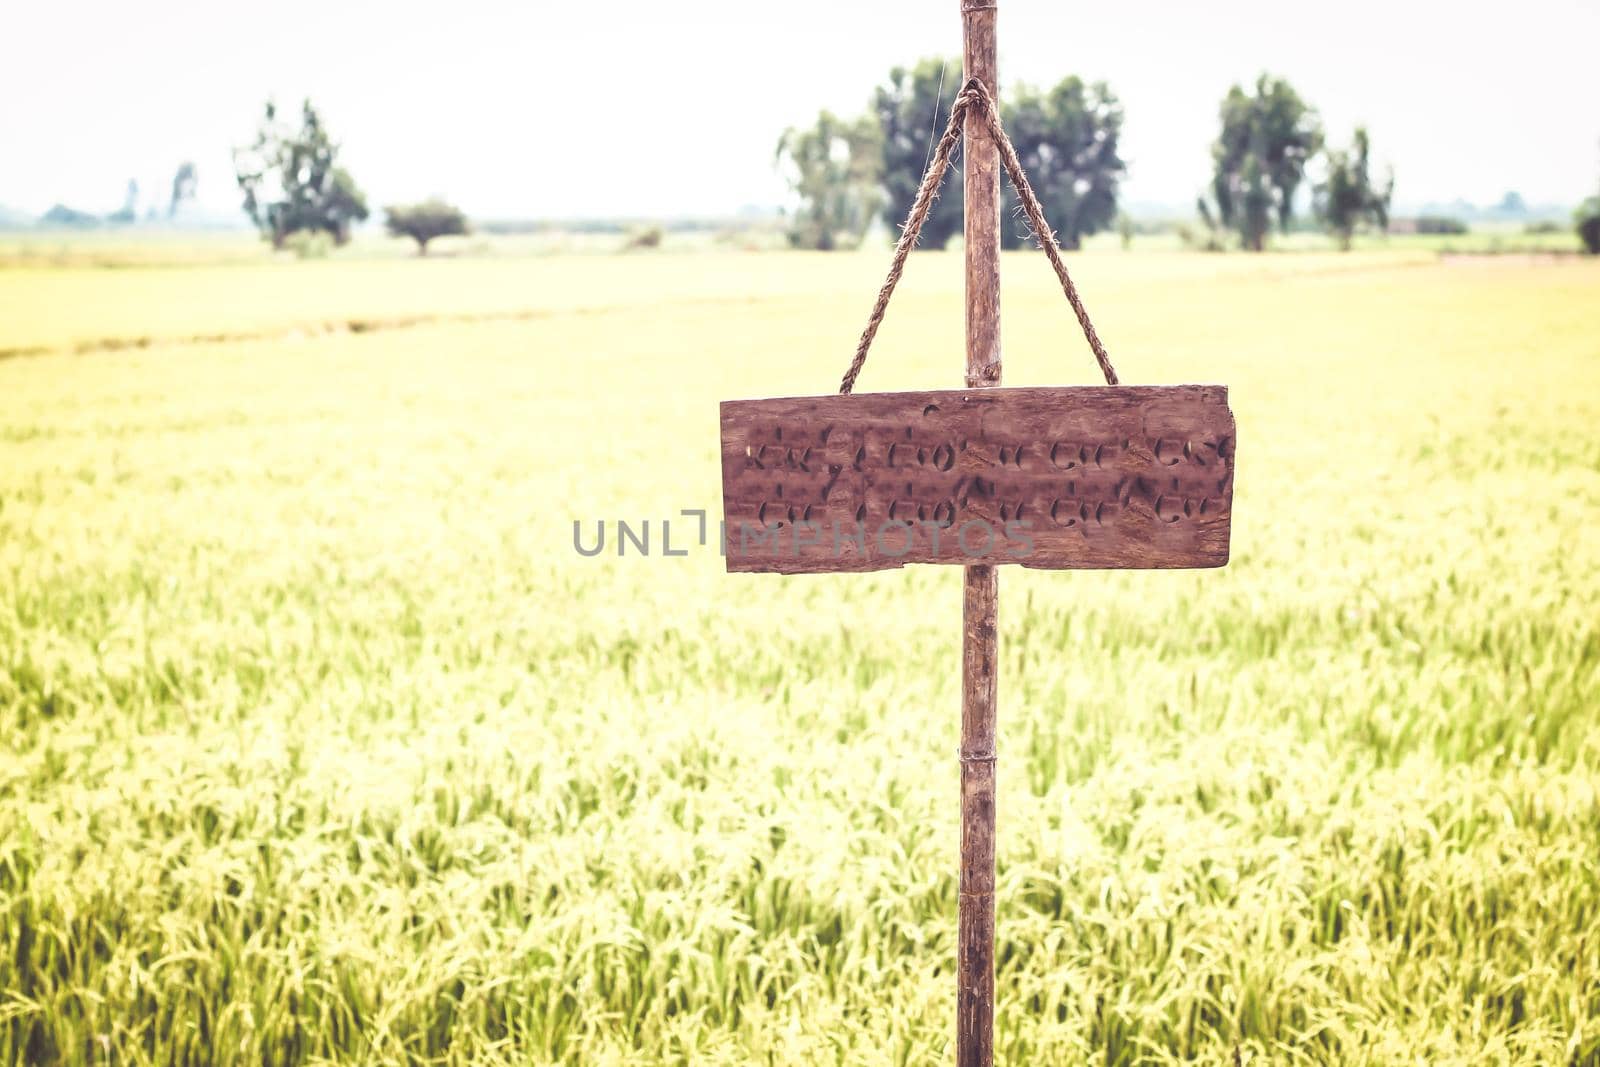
(1052, 478)
(1113, 477)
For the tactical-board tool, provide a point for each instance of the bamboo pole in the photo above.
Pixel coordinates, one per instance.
(975, 925)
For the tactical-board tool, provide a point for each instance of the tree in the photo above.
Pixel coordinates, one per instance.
(1066, 140)
(129, 211)
(1588, 225)
(1260, 159)
(834, 167)
(1511, 204)
(62, 215)
(1587, 222)
(425, 221)
(184, 184)
(912, 110)
(292, 182)
(1347, 198)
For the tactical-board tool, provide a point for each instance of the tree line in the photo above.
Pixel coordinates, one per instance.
(846, 172)
(293, 186)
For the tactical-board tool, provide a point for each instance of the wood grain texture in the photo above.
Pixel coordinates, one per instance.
(980, 173)
(980, 655)
(980, 646)
(1049, 478)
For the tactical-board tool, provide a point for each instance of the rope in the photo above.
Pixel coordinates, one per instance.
(927, 193)
(973, 95)
(1043, 235)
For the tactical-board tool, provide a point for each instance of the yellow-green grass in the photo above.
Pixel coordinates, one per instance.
(319, 741)
(117, 248)
(123, 249)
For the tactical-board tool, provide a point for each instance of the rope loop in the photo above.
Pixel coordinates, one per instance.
(973, 97)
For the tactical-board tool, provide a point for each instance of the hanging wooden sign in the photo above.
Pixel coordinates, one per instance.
(1103, 477)
(1050, 478)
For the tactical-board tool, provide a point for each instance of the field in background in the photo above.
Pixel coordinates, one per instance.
(129, 248)
(318, 739)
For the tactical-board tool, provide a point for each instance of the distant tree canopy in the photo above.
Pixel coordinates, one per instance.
(1348, 198)
(424, 221)
(184, 184)
(1260, 159)
(62, 215)
(1440, 224)
(292, 183)
(1066, 139)
(1588, 225)
(834, 168)
(1511, 204)
(129, 211)
(912, 108)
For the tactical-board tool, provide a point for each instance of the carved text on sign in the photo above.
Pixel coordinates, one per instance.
(1072, 477)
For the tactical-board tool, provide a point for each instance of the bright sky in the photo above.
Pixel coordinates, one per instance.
(638, 107)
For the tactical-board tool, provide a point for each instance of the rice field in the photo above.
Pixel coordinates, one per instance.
(320, 742)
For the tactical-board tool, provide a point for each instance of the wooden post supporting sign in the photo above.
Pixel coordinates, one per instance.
(1048, 478)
